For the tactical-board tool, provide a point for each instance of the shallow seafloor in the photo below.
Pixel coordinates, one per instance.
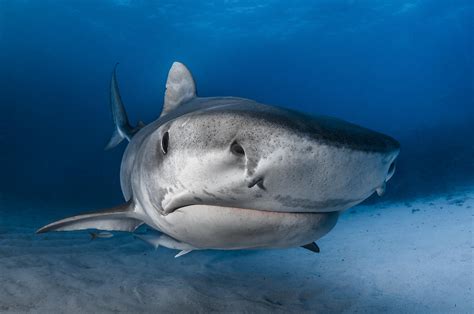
(414, 256)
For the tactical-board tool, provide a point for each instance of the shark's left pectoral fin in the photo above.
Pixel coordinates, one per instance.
(120, 218)
(181, 253)
(313, 247)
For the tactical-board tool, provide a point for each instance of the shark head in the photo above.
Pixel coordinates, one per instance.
(237, 153)
(230, 173)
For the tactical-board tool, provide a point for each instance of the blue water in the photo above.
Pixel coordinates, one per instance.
(404, 68)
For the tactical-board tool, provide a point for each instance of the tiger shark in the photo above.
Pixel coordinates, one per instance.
(231, 173)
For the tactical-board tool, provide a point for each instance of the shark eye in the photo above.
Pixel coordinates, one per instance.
(164, 142)
(236, 149)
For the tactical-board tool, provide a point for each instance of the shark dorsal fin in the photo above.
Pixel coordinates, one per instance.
(180, 87)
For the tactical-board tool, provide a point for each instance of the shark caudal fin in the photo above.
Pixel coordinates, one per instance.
(123, 129)
(120, 218)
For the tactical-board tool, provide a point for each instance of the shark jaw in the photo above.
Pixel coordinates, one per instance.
(218, 227)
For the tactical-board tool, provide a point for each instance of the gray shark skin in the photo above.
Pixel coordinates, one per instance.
(231, 173)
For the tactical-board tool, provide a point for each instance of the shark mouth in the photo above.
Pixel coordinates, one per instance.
(209, 226)
(289, 204)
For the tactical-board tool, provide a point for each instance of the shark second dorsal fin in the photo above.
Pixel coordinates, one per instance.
(180, 87)
(120, 218)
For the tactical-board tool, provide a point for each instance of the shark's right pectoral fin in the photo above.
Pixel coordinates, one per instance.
(120, 218)
(313, 247)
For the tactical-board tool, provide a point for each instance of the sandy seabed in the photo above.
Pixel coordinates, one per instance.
(414, 257)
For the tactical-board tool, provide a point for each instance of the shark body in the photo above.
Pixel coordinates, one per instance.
(232, 173)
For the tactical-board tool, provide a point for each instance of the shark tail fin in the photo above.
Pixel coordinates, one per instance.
(123, 129)
(120, 218)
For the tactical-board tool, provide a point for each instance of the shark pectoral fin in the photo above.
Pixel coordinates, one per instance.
(313, 247)
(180, 87)
(183, 252)
(153, 240)
(120, 218)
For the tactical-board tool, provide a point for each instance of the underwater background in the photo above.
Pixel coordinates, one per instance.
(404, 68)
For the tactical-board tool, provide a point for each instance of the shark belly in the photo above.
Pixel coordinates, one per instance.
(216, 227)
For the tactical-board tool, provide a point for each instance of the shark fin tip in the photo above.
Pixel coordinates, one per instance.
(181, 253)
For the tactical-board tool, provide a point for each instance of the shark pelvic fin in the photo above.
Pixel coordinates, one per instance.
(313, 247)
(161, 239)
(120, 218)
(180, 87)
(123, 129)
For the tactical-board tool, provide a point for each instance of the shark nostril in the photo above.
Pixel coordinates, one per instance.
(258, 182)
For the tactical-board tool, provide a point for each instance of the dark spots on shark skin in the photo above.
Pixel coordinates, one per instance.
(324, 130)
(198, 199)
(159, 192)
(207, 193)
(232, 191)
(212, 195)
(293, 202)
(309, 148)
(251, 166)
